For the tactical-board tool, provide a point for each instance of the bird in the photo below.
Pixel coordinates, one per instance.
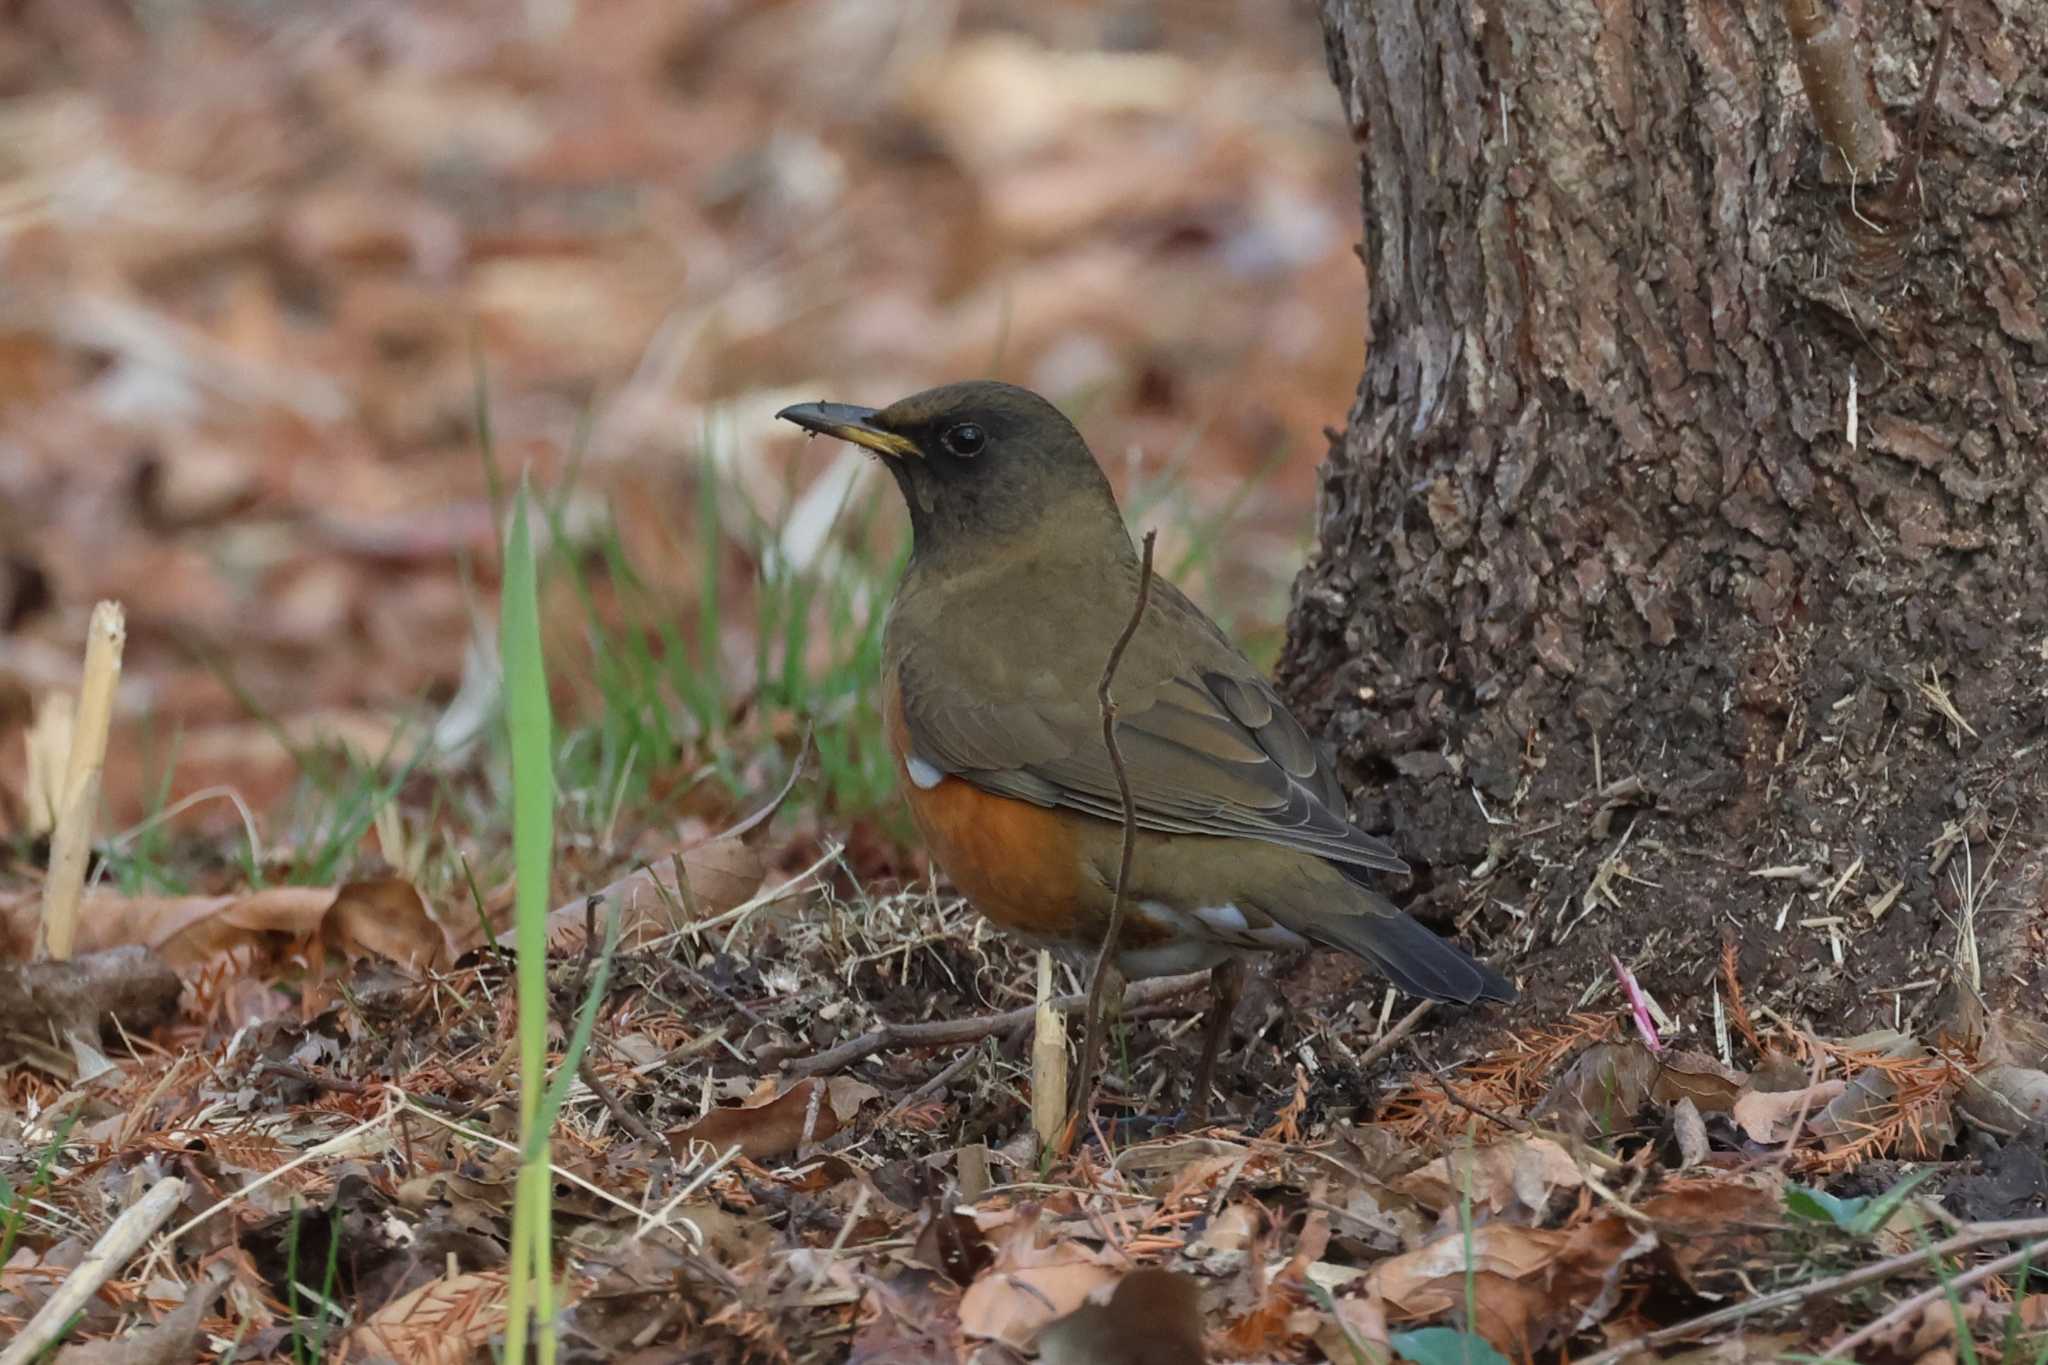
(1021, 576)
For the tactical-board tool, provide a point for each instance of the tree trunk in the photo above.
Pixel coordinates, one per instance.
(1683, 572)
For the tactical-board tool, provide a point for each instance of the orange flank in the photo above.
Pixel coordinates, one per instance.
(1019, 864)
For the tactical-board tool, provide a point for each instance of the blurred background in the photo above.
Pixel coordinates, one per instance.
(291, 295)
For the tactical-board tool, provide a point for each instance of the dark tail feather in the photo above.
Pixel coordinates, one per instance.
(1410, 956)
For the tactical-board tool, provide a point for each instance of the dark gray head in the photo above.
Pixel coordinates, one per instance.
(978, 462)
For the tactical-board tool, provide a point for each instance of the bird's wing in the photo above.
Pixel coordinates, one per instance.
(1208, 745)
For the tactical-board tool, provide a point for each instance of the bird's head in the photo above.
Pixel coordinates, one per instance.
(979, 463)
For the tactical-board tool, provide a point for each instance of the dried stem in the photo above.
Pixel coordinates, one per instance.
(115, 1248)
(942, 1032)
(1048, 1061)
(1909, 170)
(1974, 1236)
(79, 802)
(1105, 960)
(1403, 1026)
(1905, 1309)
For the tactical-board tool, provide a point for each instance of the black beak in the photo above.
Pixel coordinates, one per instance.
(849, 423)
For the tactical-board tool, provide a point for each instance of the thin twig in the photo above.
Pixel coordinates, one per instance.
(1473, 1107)
(1909, 170)
(137, 1223)
(1403, 1026)
(1977, 1235)
(1582, 1153)
(628, 1120)
(1091, 1045)
(1904, 1309)
(940, 1032)
(1805, 1108)
(342, 1085)
(935, 1084)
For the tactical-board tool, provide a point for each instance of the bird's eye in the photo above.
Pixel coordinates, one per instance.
(966, 439)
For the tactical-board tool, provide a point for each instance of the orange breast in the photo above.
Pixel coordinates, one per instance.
(1018, 863)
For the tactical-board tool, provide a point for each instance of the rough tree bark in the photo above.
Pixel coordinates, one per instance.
(1683, 572)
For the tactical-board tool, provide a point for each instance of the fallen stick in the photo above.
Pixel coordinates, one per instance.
(1403, 1026)
(136, 1225)
(1974, 1235)
(942, 1031)
(1904, 1310)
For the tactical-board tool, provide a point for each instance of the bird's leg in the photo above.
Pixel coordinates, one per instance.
(1226, 984)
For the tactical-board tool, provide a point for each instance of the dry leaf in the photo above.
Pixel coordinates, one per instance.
(1230, 1231)
(720, 874)
(1264, 1329)
(717, 876)
(909, 1319)
(386, 917)
(1602, 1089)
(1358, 1332)
(1869, 1110)
(169, 1342)
(1767, 1116)
(1727, 1226)
(45, 999)
(1694, 1076)
(2006, 1099)
(1509, 1275)
(1029, 1284)
(951, 1242)
(1690, 1132)
(1011, 1306)
(2016, 1039)
(1531, 1286)
(1524, 1171)
(1745, 1348)
(776, 1125)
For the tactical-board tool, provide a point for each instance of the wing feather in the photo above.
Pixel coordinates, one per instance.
(1209, 748)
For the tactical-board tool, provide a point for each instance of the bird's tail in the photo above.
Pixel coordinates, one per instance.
(1410, 956)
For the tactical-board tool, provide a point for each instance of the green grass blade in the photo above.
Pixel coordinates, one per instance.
(579, 1040)
(530, 729)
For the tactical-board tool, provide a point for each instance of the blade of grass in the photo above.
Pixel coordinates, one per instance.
(530, 731)
(14, 1202)
(579, 1040)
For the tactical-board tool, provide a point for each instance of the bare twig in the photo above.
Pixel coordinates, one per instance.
(628, 1120)
(1091, 1045)
(933, 1086)
(1403, 1026)
(342, 1085)
(1906, 1308)
(1805, 1109)
(1975, 1236)
(1473, 1107)
(1909, 170)
(137, 1223)
(941, 1032)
